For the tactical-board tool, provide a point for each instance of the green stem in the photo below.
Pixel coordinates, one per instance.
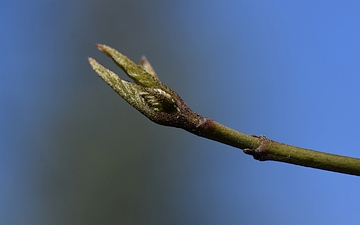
(164, 106)
(264, 149)
(220, 133)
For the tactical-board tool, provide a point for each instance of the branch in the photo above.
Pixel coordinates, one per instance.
(164, 106)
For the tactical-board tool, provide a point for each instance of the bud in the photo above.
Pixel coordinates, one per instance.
(148, 95)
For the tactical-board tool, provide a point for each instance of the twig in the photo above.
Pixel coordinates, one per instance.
(164, 106)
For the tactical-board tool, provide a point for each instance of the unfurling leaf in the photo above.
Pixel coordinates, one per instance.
(137, 73)
(148, 95)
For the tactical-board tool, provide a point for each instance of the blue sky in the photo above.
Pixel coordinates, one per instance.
(72, 151)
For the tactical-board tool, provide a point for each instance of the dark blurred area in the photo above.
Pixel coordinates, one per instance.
(82, 155)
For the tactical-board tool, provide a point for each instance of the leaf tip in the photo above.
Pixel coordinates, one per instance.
(92, 62)
(99, 46)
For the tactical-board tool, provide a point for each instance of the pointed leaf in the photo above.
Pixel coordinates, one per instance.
(145, 64)
(136, 72)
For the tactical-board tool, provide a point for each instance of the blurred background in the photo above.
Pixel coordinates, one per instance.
(74, 152)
